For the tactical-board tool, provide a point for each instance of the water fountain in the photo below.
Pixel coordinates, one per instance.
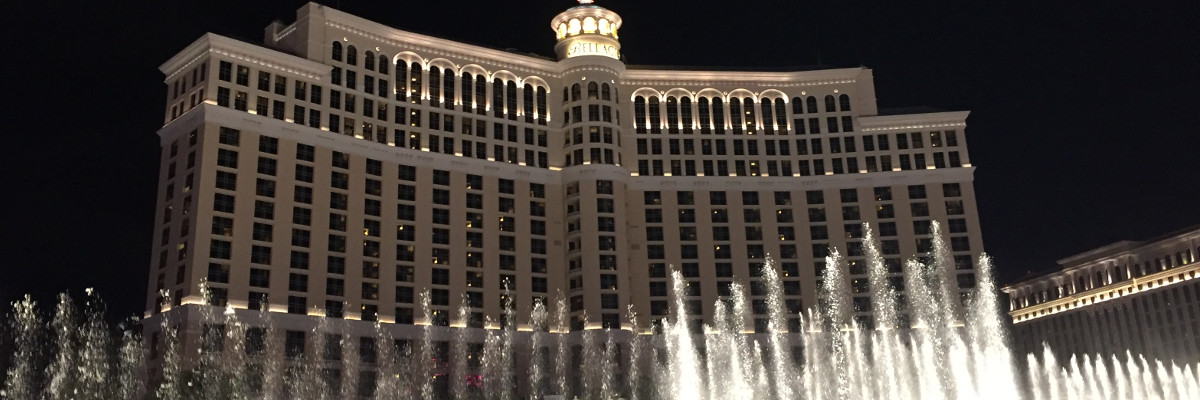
(945, 349)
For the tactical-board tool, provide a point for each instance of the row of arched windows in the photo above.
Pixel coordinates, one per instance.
(441, 84)
(371, 61)
(708, 114)
(809, 105)
(470, 91)
(595, 91)
(587, 25)
(1103, 276)
(832, 104)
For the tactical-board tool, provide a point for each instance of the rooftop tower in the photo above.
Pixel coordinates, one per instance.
(587, 30)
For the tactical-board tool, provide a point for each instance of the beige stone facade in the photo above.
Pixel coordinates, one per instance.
(342, 167)
(1141, 296)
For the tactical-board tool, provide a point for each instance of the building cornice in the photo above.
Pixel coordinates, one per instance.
(227, 117)
(212, 43)
(1086, 299)
(1114, 250)
(1116, 253)
(909, 177)
(666, 77)
(948, 119)
(429, 45)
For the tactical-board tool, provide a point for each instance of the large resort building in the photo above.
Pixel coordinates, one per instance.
(1141, 296)
(343, 167)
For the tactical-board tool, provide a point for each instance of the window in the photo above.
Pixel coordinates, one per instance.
(267, 166)
(750, 198)
(916, 192)
(604, 187)
(954, 207)
(297, 305)
(440, 276)
(341, 160)
(260, 277)
(225, 71)
(218, 273)
(608, 282)
(226, 180)
(264, 80)
(951, 190)
(294, 340)
(243, 75)
(958, 225)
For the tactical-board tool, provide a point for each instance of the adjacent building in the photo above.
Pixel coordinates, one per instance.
(342, 167)
(1140, 296)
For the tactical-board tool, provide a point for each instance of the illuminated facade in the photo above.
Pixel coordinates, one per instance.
(1142, 296)
(343, 167)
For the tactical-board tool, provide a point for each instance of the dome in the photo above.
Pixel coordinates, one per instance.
(586, 19)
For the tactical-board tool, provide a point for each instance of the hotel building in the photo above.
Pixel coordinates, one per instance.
(342, 167)
(1141, 296)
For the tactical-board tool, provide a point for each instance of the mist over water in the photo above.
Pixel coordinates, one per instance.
(924, 341)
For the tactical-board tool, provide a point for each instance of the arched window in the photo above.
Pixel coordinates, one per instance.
(480, 95)
(414, 91)
(497, 98)
(797, 106)
(655, 116)
(576, 92)
(1081, 286)
(780, 116)
(604, 95)
(812, 104)
(337, 51)
(593, 91)
(383, 64)
(528, 102)
(845, 100)
(718, 111)
(351, 55)
(735, 115)
(639, 114)
(566, 94)
(435, 86)
(829, 104)
(511, 100)
(401, 81)
(705, 116)
(1099, 279)
(448, 88)
(617, 95)
(685, 106)
(468, 96)
(542, 113)
(672, 115)
(767, 116)
(369, 61)
(751, 120)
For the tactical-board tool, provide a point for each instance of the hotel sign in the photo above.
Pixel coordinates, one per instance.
(589, 48)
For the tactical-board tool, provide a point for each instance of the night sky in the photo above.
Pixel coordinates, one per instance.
(1084, 126)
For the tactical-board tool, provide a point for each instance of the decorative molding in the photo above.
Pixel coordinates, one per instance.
(910, 177)
(1107, 293)
(208, 113)
(947, 119)
(641, 77)
(407, 40)
(237, 50)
